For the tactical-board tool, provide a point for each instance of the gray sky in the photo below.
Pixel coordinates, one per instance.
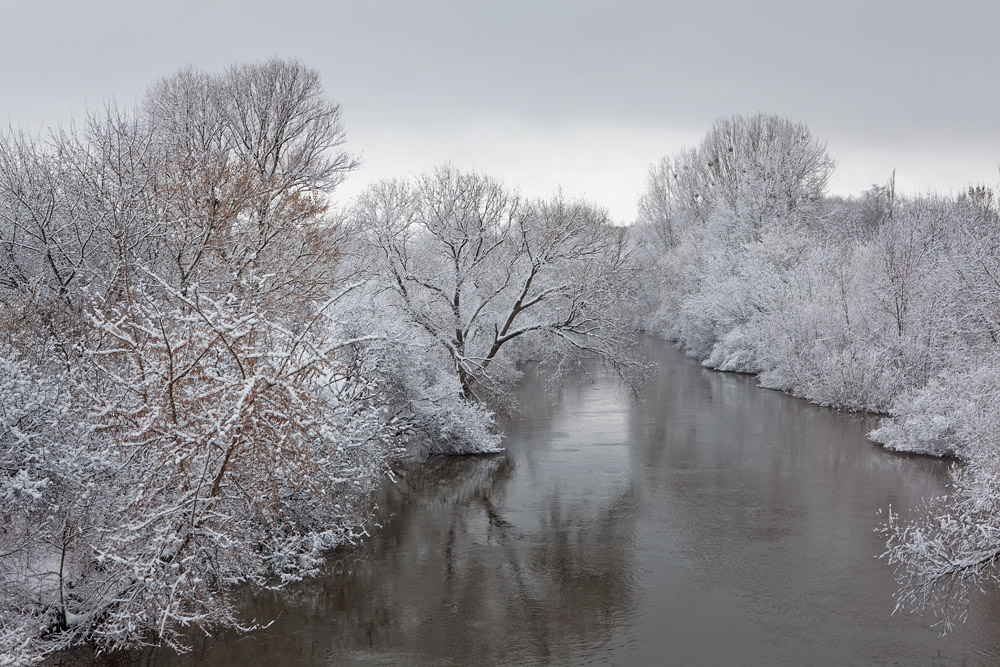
(581, 94)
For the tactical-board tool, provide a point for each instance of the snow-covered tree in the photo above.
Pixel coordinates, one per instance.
(179, 408)
(489, 278)
(764, 170)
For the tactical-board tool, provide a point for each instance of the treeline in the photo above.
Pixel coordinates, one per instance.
(880, 302)
(205, 368)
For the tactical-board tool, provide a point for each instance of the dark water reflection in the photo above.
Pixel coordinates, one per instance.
(708, 522)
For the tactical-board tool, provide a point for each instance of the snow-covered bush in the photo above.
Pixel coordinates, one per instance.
(948, 549)
(422, 399)
(54, 504)
(955, 414)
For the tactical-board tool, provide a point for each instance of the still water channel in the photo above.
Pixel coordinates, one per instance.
(707, 522)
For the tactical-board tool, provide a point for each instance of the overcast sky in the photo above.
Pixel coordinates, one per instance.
(579, 94)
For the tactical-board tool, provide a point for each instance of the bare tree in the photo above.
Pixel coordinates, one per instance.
(480, 272)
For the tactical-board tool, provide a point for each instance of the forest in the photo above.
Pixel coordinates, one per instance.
(207, 367)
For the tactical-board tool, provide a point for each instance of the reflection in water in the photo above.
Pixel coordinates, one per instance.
(707, 522)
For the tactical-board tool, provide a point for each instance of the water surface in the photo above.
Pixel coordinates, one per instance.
(707, 522)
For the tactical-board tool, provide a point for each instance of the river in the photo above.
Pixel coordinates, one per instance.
(707, 522)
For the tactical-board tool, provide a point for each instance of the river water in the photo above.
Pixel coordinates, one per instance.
(708, 522)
